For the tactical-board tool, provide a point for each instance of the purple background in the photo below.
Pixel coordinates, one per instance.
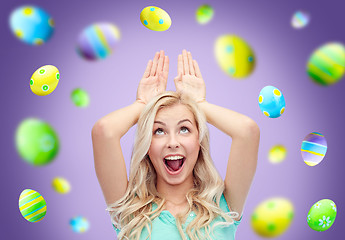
(281, 54)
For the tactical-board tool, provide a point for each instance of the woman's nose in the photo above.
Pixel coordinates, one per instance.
(173, 141)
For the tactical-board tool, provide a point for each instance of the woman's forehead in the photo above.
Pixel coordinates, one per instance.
(175, 112)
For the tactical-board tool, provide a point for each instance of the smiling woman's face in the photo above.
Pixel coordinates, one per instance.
(174, 132)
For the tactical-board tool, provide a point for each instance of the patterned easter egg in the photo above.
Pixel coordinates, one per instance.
(61, 185)
(155, 18)
(277, 154)
(79, 224)
(271, 102)
(31, 25)
(32, 205)
(80, 97)
(272, 217)
(98, 41)
(204, 14)
(300, 19)
(36, 142)
(326, 66)
(314, 148)
(234, 56)
(44, 80)
(321, 215)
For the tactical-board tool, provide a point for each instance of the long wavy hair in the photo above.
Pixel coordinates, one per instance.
(134, 211)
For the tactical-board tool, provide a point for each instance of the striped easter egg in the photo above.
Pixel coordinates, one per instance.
(32, 205)
(326, 66)
(314, 148)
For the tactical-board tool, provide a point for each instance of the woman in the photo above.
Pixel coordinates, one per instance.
(174, 190)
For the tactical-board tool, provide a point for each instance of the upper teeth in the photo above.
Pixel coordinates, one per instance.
(173, 158)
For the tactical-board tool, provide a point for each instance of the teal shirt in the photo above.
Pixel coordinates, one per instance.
(164, 226)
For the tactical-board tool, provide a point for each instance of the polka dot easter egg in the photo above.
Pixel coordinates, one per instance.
(321, 215)
(326, 66)
(204, 14)
(98, 41)
(300, 19)
(80, 98)
(314, 148)
(32, 205)
(79, 224)
(44, 80)
(36, 142)
(61, 185)
(31, 25)
(277, 154)
(272, 217)
(271, 102)
(155, 18)
(234, 56)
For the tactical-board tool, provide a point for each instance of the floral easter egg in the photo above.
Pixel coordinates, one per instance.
(314, 148)
(32, 205)
(277, 154)
(204, 14)
(271, 102)
(326, 66)
(272, 217)
(98, 41)
(36, 142)
(44, 80)
(155, 18)
(31, 24)
(321, 215)
(61, 185)
(79, 224)
(80, 97)
(300, 19)
(235, 57)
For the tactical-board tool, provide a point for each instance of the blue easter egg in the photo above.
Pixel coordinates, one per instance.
(79, 224)
(271, 102)
(31, 25)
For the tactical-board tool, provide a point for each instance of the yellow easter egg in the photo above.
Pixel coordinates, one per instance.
(234, 56)
(44, 80)
(272, 217)
(32, 205)
(155, 18)
(61, 185)
(277, 153)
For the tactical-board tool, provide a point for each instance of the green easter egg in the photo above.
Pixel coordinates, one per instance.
(321, 215)
(32, 205)
(204, 14)
(80, 97)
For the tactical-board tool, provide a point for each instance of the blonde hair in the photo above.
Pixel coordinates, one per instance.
(133, 211)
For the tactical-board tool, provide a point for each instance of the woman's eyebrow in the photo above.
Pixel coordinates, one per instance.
(177, 123)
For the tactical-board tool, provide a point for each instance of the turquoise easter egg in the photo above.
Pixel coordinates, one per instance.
(32, 205)
(314, 148)
(36, 142)
(155, 18)
(204, 14)
(300, 19)
(271, 102)
(234, 56)
(326, 66)
(31, 24)
(321, 215)
(79, 224)
(98, 41)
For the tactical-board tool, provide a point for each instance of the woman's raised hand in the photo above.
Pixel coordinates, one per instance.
(154, 80)
(189, 80)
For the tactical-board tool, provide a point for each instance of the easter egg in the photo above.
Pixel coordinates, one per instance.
(31, 25)
(277, 154)
(234, 56)
(79, 224)
(300, 19)
(321, 215)
(272, 217)
(326, 66)
(271, 102)
(204, 14)
(44, 80)
(80, 97)
(155, 18)
(314, 148)
(36, 142)
(32, 205)
(98, 41)
(61, 185)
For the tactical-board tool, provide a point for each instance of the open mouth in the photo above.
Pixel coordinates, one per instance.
(174, 165)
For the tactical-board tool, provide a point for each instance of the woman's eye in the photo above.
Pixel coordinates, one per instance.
(185, 128)
(158, 129)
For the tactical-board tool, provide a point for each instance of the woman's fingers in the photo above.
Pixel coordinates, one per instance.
(148, 69)
(160, 62)
(185, 62)
(197, 69)
(179, 65)
(154, 64)
(190, 63)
